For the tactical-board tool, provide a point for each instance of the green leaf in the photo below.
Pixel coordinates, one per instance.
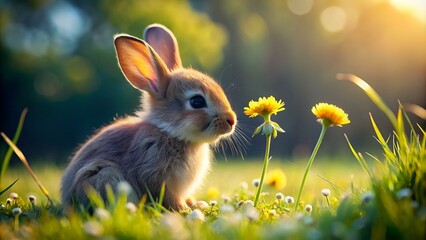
(257, 130)
(277, 127)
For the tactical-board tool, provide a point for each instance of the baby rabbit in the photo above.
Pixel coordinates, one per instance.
(184, 112)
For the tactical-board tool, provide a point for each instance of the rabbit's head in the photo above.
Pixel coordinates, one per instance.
(183, 102)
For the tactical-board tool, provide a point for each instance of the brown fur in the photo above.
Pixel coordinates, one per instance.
(166, 142)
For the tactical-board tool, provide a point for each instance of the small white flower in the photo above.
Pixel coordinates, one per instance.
(16, 211)
(213, 203)
(272, 213)
(279, 196)
(289, 199)
(131, 207)
(240, 203)
(367, 197)
(124, 188)
(249, 202)
(325, 192)
(226, 208)
(196, 215)
(226, 199)
(202, 205)
(8, 201)
(93, 228)
(244, 185)
(102, 214)
(256, 182)
(308, 208)
(404, 193)
(14, 195)
(32, 198)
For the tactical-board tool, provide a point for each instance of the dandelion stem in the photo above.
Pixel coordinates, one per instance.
(311, 160)
(265, 165)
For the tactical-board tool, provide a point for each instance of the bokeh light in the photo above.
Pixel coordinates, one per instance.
(300, 7)
(333, 19)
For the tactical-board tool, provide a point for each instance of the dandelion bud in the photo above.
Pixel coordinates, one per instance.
(279, 196)
(289, 199)
(196, 215)
(14, 195)
(16, 211)
(325, 192)
(256, 182)
(308, 208)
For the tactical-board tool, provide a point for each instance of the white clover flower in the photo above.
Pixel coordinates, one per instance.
(404, 193)
(325, 192)
(131, 207)
(279, 196)
(289, 199)
(16, 211)
(226, 208)
(93, 228)
(256, 182)
(213, 203)
(196, 215)
(202, 205)
(308, 208)
(244, 185)
(226, 199)
(124, 188)
(102, 214)
(14, 195)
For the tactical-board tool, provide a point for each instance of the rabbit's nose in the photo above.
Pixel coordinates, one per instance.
(230, 121)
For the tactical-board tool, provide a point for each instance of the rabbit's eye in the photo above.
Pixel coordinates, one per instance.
(197, 102)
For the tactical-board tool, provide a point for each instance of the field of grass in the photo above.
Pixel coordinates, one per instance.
(343, 198)
(226, 177)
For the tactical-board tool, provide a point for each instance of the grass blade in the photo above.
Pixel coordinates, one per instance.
(22, 157)
(8, 187)
(371, 93)
(9, 152)
(359, 157)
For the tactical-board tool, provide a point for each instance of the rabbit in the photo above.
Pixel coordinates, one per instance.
(184, 113)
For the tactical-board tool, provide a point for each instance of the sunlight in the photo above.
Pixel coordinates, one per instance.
(415, 7)
(333, 19)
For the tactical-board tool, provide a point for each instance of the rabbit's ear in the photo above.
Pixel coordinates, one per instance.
(141, 65)
(164, 43)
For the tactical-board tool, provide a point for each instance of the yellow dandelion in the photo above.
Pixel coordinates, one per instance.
(212, 193)
(330, 114)
(276, 179)
(264, 107)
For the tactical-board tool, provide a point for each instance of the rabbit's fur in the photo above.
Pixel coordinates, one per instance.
(184, 112)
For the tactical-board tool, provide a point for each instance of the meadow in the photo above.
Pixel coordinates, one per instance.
(348, 197)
